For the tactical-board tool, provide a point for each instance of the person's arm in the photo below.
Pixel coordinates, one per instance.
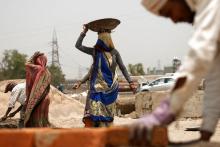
(79, 41)
(197, 64)
(16, 111)
(125, 71)
(204, 50)
(200, 60)
(122, 67)
(6, 114)
(84, 79)
(12, 100)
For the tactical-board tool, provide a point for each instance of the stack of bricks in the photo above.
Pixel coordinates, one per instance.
(103, 137)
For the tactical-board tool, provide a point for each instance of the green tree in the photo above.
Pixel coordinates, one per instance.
(140, 69)
(12, 65)
(57, 75)
(136, 69)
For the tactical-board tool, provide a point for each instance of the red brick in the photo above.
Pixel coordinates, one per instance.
(16, 138)
(80, 137)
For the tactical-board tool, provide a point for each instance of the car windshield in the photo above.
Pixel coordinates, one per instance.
(156, 82)
(161, 81)
(167, 80)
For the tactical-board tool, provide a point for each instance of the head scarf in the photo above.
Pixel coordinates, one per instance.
(154, 6)
(38, 80)
(106, 39)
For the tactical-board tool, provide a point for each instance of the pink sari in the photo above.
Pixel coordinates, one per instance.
(38, 80)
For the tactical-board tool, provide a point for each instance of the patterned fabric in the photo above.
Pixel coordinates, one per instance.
(103, 91)
(97, 124)
(38, 80)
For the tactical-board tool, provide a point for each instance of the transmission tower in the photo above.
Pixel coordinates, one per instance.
(55, 50)
(158, 65)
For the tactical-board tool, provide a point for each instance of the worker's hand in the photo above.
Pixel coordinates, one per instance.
(77, 85)
(12, 114)
(85, 29)
(133, 87)
(3, 118)
(141, 130)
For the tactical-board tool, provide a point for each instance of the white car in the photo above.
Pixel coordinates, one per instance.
(160, 84)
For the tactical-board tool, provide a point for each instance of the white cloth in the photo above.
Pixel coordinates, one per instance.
(211, 112)
(154, 6)
(18, 94)
(202, 60)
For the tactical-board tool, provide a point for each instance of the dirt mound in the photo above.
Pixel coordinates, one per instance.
(64, 111)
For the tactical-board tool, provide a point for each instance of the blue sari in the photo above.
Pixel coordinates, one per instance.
(103, 90)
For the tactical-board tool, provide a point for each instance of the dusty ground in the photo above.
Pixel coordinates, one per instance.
(177, 130)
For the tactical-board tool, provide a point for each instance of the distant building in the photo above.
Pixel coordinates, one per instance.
(159, 72)
(168, 69)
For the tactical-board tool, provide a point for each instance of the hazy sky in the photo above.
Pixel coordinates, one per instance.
(27, 25)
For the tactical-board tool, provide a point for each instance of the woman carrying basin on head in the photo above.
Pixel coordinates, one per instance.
(103, 79)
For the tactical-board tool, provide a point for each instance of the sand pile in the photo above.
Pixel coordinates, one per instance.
(64, 111)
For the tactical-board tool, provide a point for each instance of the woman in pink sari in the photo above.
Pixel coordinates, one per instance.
(38, 80)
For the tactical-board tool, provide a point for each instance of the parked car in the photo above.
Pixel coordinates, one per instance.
(160, 84)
